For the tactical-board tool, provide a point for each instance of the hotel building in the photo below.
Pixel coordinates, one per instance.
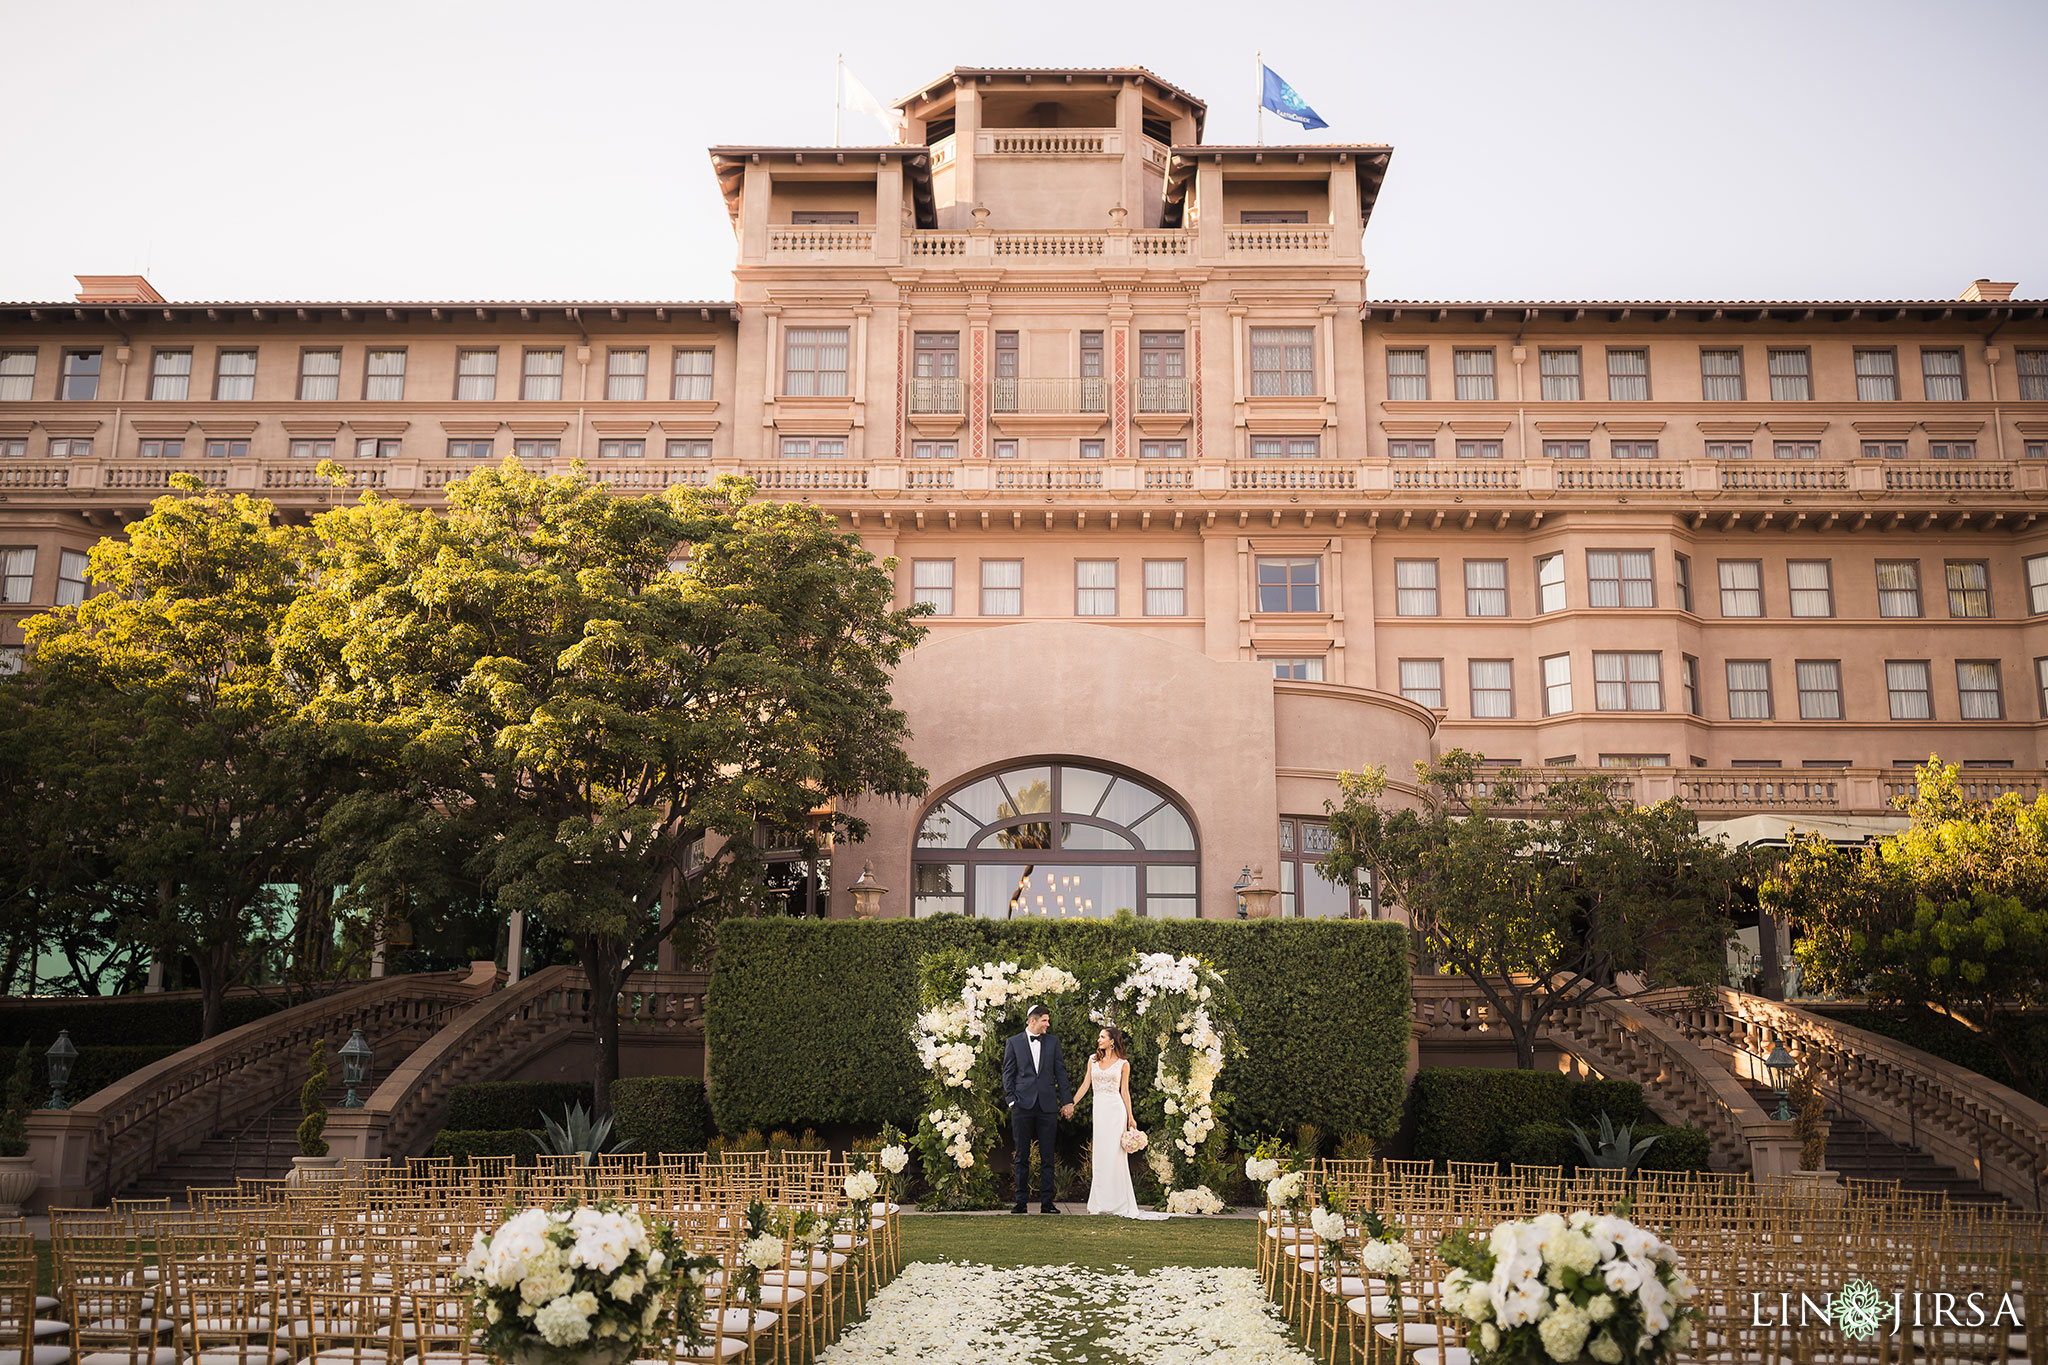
(1203, 522)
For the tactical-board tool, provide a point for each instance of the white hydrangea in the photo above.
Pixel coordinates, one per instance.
(763, 1252)
(1327, 1224)
(1387, 1259)
(1261, 1171)
(1285, 1189)
(1563, 1331)
(627, 1288)
(1201, 1199)
(564, 1321)
(894, 1158)
(1605, 1349)
(546, 1278)
(862, 1186)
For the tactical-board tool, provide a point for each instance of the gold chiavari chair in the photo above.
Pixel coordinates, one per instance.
(27, 1337)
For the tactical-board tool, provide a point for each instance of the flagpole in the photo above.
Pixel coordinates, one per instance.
(1259, 59)
(838, 80)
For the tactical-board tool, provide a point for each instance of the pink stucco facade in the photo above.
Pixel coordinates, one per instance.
(1121, 404)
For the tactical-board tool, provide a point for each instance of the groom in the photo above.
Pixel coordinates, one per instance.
(1035, 1084)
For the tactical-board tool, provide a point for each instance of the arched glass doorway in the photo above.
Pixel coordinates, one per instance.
(1056, 840)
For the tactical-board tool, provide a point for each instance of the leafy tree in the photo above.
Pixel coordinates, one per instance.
(194, 780)
(1535, 906)
(598, 701)
(1977, 960)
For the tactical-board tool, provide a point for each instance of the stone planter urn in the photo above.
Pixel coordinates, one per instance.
(308, 1170)
(18, 1180)
(536, 1351)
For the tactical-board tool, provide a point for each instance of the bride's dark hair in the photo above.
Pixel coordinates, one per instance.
(1118, 1039)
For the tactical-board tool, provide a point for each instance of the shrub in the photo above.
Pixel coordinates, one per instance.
(808, 1022)
(21, 1097)
(1473, 1113)
(1543, 1144)
(499, 1105)
(463, 1144)
(312, 1104)
(662, 1113)
(1676, 1149)
(99, 1065)
(1621, 1101)
(113, 1020)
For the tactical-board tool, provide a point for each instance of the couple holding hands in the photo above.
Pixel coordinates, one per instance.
(1035, 1085)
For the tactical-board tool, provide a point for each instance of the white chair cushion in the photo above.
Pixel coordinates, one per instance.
(40, 1355)
(734, 1321)
(717, 1349)
(46, 1328)
(46, 1303)
(162, 1355)
(255, 1353)
(1412, 1333)
(807, 1279)
(1350, 1286)
(1443, 1355)
(1383, 1306)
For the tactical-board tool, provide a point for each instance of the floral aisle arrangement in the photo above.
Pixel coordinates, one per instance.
(583, 1283)
(1588, 1287)
(1180, 1004)
(762, 1249)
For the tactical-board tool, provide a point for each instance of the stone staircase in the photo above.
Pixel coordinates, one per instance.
(1859, 1152)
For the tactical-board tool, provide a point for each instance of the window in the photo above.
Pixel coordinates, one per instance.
(1742, 587)
(1486, 587)
(1095, 587)
(621, 450)
(1272, 216)
(1941, 372)
(1479, 450)
(476, 375)
(1791, 376)
(1408, 375)
(1422, 682)
(1287, 447)
(1820, 688)
(384, 376)
(1689, 683)
(1884, 450)
(1002, 587)
(814, 362)
(14, 448)
(1633, 450)
(1906, 681)
(1411, 450)
(71, 579)
(17, 575)
(1560, 374)
(319, 376)
(540, 379)
(625, 376)
(1628, 376)
(824, 217)
(1009, 367)
(1977, 689)
(1567, 450)
(1632, 681)
(1951, 450)
(689, 450)
(2041, 685)
(1094, 394)
(1727, 450)
(1163, 372)
(469, 450)
(170, 376)
(1283, 361)
(1635, 760)
(931, 585)
(935, 450)
(81, 380)
(17, 376)
(1812, 585)
(1472, 373)
(1549, 583)
(1898, 587)
(2037, 584)
(1415, 587)
(1749, 689)
(1681, 567)
(1088, 450)
(1297, 670)
(692, 379)
(1877, 376)
(536, 451)
(1162, 450)
(312, 450)
(1493, 689)
(1557, 684)
(1721, 375)
(227, 450)
(234, 376)
(935, 375)
(377, 448)
(1166, 587)
(2034, 450)
(1795, 450)
(1619, 578)
(1294, 583)
(161, 450)
(2033, 367)
(804, 448)
(1969, 588)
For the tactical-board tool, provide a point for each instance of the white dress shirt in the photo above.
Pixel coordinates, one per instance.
(1035, 1040)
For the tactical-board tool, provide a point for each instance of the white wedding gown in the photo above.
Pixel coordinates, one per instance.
(1109, 1185)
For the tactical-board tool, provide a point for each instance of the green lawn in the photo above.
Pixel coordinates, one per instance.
(1078, 1240)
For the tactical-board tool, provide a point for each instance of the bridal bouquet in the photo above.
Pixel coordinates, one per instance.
(1132, 1141)
(1558, 1289)
(593, 1281)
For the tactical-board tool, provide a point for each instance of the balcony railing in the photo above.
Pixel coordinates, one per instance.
(1046, 478)
(1157, 394)
(1733, 791)
(1276, 238)
(1047, 141)
(159, 475)
(1619, 478)
(821, 240)
(1457, 478)
(935, 394)
(35, 476)
(1089, 394)
(1318, 477)
(792, 478)
(1778, 478)
(1948, 476)
(305, 476)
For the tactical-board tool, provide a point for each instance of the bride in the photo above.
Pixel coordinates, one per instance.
(1109, 1076)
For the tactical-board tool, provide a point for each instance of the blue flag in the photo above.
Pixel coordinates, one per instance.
(1281, 98)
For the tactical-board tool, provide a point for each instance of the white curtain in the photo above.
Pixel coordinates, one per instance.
(1422, 680)
(1473, 373)
(1493, 688)
(1977, 686)
(1749, 689)
(1812, 592)
(1791, 377)
(1486, 587)
(1408, 376)
(693, 377)
(386, 377)
(1820, 689)
(1898, 587)
(1628, 376)
(1906, 680)
(1415, 587)
(1943, 372)
(1550, 583)
(1742, 590)
(1557, 684)
(1165, 587)
(17, 376)
(1561, 380)
(1721, 376)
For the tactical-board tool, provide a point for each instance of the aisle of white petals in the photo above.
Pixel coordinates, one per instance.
(947, 1314)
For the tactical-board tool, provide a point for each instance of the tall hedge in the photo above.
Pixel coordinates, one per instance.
(1466, 1113)
(123, 1020)
(808, 1022)
(486, 1106)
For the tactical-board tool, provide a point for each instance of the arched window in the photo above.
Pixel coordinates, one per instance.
(1056, 840)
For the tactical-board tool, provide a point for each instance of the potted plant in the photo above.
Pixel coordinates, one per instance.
(1810, 1126)
(18, 1177)
(313, 1162)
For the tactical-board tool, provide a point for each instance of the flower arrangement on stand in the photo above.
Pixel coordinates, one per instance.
(1181, 1005)
(588, 1283)
(762, 1249)
(1588, 1287)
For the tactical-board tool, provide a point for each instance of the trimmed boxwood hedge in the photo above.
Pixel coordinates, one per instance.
(662, 1113)
(1621, 1101)
(808, 1022)
(1676, 1149)
(1543, 1144)
(464, 1144)
(1467, 1113)
(99, 1066)
(505, 1105)
(118, 1020)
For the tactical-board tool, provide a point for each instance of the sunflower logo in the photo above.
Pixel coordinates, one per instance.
(1859, 1310)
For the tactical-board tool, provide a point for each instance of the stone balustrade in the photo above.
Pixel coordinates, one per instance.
(1832, 791)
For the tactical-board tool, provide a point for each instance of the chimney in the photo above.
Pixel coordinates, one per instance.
(1988, 291)
(116, 289)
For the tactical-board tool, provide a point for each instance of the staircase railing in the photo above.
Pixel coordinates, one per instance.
(1968, 1122)
(494, 1037)
(125, 1130)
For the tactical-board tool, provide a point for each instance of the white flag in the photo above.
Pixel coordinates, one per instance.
(855, 97)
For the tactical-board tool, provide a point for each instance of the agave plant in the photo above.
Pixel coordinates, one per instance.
(1615, 1152)
(578, 1135)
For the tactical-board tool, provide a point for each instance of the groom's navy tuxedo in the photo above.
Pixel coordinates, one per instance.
(1035, 1094)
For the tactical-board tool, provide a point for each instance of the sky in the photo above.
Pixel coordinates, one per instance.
(438, 149)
